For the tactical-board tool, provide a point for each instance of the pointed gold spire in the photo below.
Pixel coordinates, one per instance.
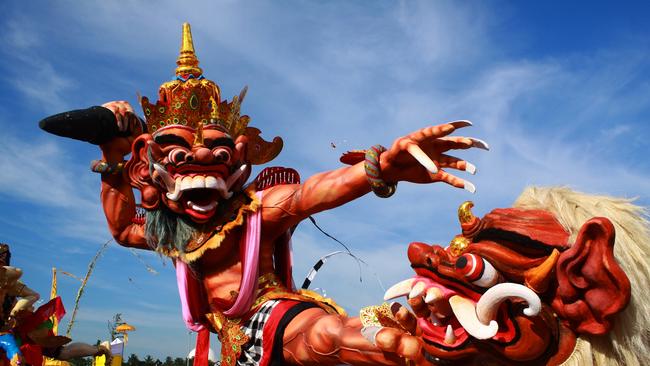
(187, 61)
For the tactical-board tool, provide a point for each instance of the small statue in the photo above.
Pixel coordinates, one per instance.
(26, 333)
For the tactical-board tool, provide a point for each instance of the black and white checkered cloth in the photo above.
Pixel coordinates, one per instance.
(252, 351)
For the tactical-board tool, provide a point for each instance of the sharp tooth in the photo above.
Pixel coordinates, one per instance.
(465, 311)
(450, 337)
(433, 295)
(211, 182)
(174, 196)
(198, 182)
(417, 290)
(186, 183)
(399, 289)
(434, 319)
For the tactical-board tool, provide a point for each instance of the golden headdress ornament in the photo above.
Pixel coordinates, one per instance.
(191, 100)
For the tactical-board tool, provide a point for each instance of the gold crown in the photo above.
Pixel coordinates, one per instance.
(192, 100)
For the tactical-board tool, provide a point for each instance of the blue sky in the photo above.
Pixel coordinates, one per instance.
(560, 91)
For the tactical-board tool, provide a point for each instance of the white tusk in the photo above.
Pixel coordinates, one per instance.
(488, 305)
(422, 158)
(465, 311)
(166, 178)
(450, 337)
(233, 178)
(176, 194)
(417, 290)
(399, 289)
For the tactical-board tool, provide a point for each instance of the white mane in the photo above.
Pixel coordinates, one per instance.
(628, 343)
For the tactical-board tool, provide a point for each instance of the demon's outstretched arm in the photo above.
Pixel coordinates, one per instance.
(117, 197)
(418, 157)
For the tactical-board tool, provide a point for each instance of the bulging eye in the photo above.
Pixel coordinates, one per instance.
(177, 155)
(477, 270)
(221, 155)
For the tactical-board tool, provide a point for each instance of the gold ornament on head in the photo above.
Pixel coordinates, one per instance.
(458, 245)
(192, 101)
(465, 214)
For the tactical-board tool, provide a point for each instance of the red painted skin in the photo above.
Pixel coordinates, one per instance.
(565, 281)
(313, 337)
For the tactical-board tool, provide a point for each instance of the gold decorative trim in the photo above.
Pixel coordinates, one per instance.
(378, 316)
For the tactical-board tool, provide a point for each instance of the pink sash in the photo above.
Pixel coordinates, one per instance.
(193, 298)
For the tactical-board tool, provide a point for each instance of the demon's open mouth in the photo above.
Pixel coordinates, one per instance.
(451, 315)
(198, 188)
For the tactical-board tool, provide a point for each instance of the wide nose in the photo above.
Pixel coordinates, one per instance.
(425, 254)
(201, 155)
(417, 252)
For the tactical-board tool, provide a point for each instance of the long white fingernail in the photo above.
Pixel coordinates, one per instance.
(468, 186)
(470, 168)
(461, 123)
(422, 158)
(480, 143)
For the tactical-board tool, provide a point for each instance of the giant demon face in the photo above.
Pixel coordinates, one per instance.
(189, 170)
(511, 289)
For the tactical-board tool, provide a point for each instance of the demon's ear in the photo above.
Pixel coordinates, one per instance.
(137, 169)
(592, 287)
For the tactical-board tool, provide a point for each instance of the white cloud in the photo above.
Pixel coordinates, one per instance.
(39, 172)
(44, 86)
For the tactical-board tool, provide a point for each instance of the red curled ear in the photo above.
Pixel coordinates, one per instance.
(137, 168)
(592, 287)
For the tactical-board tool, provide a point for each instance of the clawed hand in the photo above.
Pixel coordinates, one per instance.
(420, 156)
(400, 338)
(127, 121)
